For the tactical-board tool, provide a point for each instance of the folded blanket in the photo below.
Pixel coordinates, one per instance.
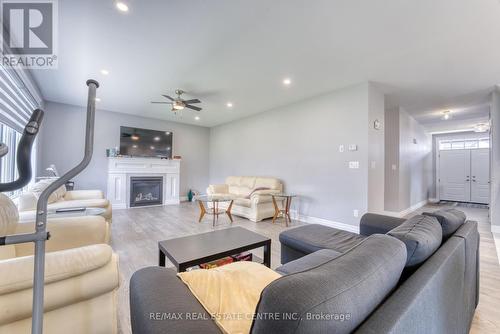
(230, 293)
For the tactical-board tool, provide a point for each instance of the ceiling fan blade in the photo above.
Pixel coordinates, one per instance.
(193, 107)
(161, 102)
(168, 97)
(191, 101)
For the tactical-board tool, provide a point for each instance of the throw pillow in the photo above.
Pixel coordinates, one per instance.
(450, 220)
(422, 236)
(230, 293)
(41, 185)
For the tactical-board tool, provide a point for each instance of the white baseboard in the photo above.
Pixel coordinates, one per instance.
(405, 212)
(495, 229)
(321, 221)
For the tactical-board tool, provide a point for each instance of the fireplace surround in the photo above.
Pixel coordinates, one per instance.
(121, 170)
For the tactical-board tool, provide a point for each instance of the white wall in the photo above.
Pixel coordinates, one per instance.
(409, 148)
(62, 143)
(299, 144)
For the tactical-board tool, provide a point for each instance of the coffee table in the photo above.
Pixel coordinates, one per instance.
(194, 250)
(214, 200)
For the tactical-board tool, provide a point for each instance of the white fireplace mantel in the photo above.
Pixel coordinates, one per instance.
(120, 170)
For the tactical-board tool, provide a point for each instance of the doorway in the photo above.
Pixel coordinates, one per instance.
(464, 171)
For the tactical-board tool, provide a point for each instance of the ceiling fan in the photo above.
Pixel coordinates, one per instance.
(179, 103)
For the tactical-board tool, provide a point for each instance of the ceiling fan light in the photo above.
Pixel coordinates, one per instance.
(446, 115)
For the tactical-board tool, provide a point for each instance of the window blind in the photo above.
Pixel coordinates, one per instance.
(16, 102)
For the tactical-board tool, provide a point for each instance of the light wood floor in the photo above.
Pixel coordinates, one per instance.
(136, 232)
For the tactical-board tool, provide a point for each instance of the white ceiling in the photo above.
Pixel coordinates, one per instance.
(426, 54)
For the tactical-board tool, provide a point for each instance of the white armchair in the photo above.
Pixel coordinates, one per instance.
(81, 283)
(253, 195)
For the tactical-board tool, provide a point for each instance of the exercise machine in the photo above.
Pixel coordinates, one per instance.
(41, 235)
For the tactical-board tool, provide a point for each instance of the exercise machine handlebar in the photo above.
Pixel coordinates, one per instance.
(23, 158)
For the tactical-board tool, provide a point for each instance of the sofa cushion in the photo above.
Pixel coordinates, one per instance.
(243, 202)
(422, 236)
(308, 262)
(313, 237)
(450, 220)
(267, 182)
(346, 289)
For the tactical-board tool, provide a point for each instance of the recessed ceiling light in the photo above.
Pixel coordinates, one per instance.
(156, 138)
(197, 118)
(287, 81)
(135, 137)
(97, 99)
(167, 133)
(152, 147)
(104, 72)
(446, 115)
(229, 104)
(122, 6)
(134, 146)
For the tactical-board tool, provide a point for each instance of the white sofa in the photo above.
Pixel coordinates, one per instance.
(80, 283)
(252, 201)
(61, 198)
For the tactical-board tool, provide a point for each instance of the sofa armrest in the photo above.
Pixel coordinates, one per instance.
(263, 196)
(17, 273)
(71, 276)
(66, 233)
(218, 189)
(155, 291)
(372, 223)
(83, 194)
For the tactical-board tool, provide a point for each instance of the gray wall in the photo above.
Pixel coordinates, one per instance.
(409, 148)
(495, 160)
(391, 197)
(62, 143)
(299, 144)
(376, 148)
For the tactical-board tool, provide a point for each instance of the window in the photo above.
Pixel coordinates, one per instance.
(8, 168)
(460, 144)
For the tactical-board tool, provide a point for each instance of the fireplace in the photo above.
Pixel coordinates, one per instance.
(146, 190)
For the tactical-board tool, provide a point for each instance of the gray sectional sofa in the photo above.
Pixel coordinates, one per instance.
(397, 276)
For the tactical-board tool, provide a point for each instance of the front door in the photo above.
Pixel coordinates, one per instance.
(454, 175)
(464, 175)
(480, 176)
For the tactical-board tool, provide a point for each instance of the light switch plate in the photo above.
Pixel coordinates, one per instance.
(374, 164)
(341, 148)
(355, 213)
(353, 147)
(354, 164)
(394, 167)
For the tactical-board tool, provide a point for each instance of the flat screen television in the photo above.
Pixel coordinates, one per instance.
(137, 142)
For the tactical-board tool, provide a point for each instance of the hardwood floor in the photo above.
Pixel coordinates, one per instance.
(136, 232)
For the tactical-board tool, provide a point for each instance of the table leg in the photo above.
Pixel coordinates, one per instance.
(161, 259)
(202, 211)
(213, 213)
(228, 211)
(276, 209)
(267, 254)
(287, 212)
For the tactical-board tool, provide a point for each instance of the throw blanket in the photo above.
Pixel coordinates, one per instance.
(256, 189)
(230, 293)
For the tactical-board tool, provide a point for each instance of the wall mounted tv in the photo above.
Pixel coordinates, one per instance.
(137, 142)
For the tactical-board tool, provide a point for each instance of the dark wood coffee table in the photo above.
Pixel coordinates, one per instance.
(194, 250)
